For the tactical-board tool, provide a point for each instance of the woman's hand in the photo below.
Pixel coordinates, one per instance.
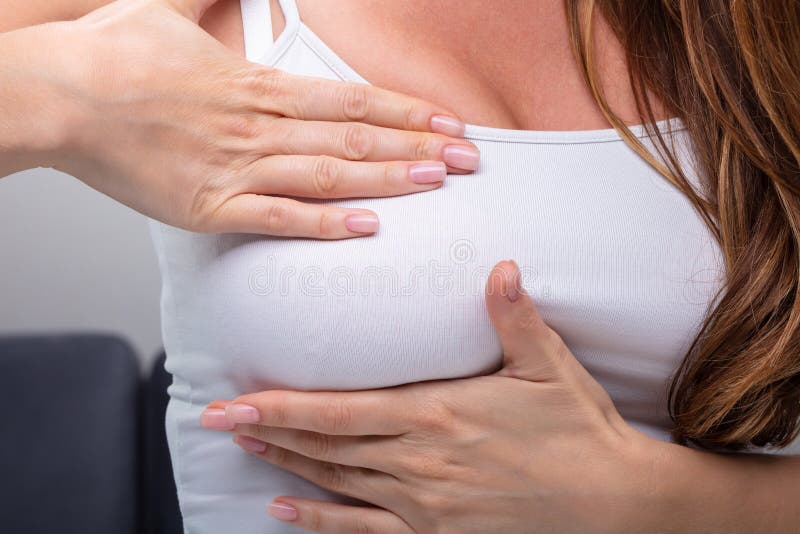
(536, 447)
(140, 103)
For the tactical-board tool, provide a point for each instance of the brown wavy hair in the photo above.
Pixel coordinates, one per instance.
(729, 70)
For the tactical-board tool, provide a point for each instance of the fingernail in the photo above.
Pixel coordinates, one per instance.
(515, 288)
(250, 444)
(284, 512)
(428, 173)
(362, 223)
(215, 419)
(242, 413)
(462, 157)
(447, 126)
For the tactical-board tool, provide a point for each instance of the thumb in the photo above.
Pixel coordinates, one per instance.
(531, 350)
(191, 9)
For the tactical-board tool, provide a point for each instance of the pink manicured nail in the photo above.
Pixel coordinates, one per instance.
(282, 511)
(242, 413)
(462, 157)
(249, 444)
(214, 419)
(362, 223)
(447, 126)
(427, 173)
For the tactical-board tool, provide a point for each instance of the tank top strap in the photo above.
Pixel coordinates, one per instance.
(257, 26)
(290, 12)
(257, 22)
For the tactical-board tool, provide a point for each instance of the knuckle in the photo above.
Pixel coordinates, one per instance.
(278, 455)
(206, 202)
(255, 431)
(314, 519)
(327, 175)
(327, 224)
(264, 83)
(356, 142)
(438, 416)
(244, 126)
(425, 146)
(414, 118)
(552, 337)
(437, 420)
(361, 526)
(332, 476)
(394, 174)
(557, 346)
(355, 102)
(336, 416)
(277, 217)
(431, 502)
(316, 445)
(278, 412)
(530, 320)
(428, 466)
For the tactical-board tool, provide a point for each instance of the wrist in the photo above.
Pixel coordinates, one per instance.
(645, 495)
(35, 105)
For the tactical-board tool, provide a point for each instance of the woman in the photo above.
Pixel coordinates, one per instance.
(674, 285)
(623, 266)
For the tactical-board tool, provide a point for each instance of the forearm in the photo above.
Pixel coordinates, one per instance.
(39, 109)
(708, 492)
(23, 13)
(32, 112)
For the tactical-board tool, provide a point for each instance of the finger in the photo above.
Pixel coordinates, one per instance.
(372, 452)
(277, 216)
(364, 484)
(359, 413)
(531, 350)
(214, 418)
(317, 99)
(218, 404)
(363, 142)
(327, 177)
(333, 518)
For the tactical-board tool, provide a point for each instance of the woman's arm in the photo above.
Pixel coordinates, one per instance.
(710, 492)
(22, 13)
(139, 103)
(26, 138)
(33, 115)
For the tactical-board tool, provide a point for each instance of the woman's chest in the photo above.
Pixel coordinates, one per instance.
(528, 79)
(615, 258)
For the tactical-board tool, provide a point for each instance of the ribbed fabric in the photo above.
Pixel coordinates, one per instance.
(616, 259)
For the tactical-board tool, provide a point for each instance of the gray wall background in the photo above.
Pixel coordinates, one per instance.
(72, 259)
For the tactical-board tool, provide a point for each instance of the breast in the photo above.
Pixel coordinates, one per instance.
(616, 259)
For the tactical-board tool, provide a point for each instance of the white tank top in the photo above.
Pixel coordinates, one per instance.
(616, 258)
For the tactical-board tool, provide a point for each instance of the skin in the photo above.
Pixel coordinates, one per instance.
(528, 79)
(139, 103)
